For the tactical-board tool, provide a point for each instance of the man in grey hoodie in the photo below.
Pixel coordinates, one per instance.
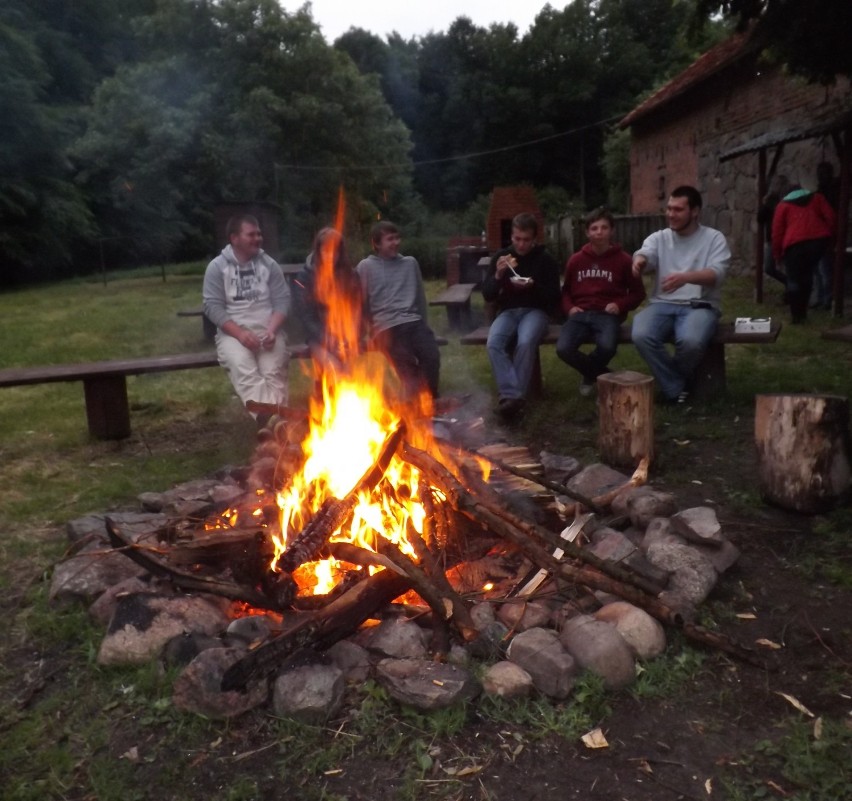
(247, 298)
(395, 305)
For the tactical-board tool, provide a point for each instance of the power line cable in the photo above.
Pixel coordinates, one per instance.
(447, 159)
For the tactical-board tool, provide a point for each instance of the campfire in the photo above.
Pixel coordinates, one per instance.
(356, 505)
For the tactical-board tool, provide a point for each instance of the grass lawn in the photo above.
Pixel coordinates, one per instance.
(64, 742)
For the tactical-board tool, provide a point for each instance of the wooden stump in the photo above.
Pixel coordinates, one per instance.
(802, 450)
(626, 415)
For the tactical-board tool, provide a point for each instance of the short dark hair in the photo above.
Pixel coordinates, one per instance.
(381, 228)
(600, 213)
(692, 195)
(525, 222)
(235, 223)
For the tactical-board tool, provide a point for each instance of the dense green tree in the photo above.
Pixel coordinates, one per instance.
(811, 39)
(259, 108)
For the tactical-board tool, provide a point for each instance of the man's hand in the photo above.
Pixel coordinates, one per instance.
(267, 341)
(574, 310)
(639, 263)
(506, 263)
(673, 282)
(612, 308)
(250, 340)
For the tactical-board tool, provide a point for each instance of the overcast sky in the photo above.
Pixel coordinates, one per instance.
(415, 18)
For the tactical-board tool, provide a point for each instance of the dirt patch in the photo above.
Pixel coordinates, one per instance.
(681, 744)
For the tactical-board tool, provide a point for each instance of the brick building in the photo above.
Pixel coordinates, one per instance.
(714, 125)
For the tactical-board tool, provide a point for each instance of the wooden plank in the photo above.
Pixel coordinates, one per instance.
(843, 334)
(457, 293)
(725, 335)
(23, 376)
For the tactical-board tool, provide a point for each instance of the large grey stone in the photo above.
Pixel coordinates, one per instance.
(425, 684)
(507, 680)
(539, 653)
(85, 576)
(596, 479)
(559, 469)
(699, 525)
(352, 659)
(143, 624)
(644, 634)
(521, 615)
(598, 647)
(198, 688)
(136, 526)
(310, 693)
(692, 574)
(643, 507)
(398, 639)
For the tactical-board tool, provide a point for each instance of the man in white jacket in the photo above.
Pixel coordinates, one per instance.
(691, 261)
(247, 297)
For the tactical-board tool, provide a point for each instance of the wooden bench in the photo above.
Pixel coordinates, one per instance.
(105, 383)
(456, 299)
(710, 378)
(843, 334)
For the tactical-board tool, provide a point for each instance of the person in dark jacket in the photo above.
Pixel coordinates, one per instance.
(598, 291)
(802, 229)
(523, 282)
(327, 298)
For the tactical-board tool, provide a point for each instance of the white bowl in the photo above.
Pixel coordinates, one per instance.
(519, 280)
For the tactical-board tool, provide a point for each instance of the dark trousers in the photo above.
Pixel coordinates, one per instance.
(589, 326)
(413, 351)
(800, 262)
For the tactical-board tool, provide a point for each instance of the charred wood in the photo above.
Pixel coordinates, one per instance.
(593, 578)
(182, 579)
(333, 622)
(334, 511)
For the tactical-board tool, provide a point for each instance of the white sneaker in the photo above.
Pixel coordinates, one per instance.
(586, 389)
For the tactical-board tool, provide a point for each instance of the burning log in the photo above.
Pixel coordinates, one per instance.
(325, 627)
(502, 525)
(182, 579)
(486, 501)
(559, 489)
(334, 512)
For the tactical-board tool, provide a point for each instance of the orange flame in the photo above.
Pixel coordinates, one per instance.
(350, 419)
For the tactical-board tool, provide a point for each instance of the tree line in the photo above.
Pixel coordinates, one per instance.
(124, 122)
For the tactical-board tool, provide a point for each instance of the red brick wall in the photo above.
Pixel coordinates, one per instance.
(682, 141)
(506, 202)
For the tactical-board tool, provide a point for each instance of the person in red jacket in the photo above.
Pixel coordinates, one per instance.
(802, 229)
(598, 292)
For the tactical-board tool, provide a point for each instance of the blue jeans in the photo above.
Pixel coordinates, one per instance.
(690, 329)
(413, 351)
(522, 329)
(598, 327)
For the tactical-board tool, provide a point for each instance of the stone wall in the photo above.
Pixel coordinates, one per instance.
(682, 141)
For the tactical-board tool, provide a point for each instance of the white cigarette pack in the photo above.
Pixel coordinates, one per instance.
(752, 325)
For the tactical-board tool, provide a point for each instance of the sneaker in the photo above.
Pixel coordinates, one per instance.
(587, 388)
(682, 398)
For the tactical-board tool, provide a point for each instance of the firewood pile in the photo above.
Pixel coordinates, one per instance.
(540, 566)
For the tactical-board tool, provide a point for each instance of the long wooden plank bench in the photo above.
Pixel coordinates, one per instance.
(105, 383)
(456, 300)
(710, 378)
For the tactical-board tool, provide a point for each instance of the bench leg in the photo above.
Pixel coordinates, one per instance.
(107, 409)
(208, 328)
(536, 389)
(458, 316)
(709, 380)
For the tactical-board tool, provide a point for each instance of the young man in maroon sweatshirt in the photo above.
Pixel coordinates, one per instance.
(598, 292)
